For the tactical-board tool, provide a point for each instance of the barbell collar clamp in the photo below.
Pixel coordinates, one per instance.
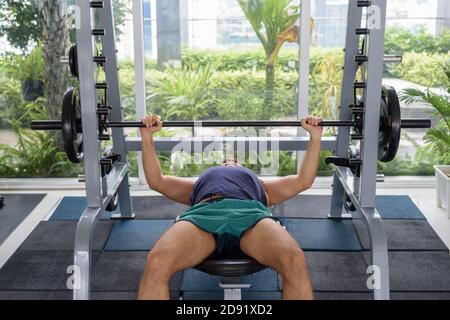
(96, 4)
(101, 85)
(363, 3)
(100, 59)
(360, 85)
(98, 32)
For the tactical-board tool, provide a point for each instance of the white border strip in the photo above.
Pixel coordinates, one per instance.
(23, 230)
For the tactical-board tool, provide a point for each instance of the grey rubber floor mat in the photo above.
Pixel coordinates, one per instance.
(60, 235)
(406, 235)
(17, 207)
(122, 271)
(337, 271)
(418, 271)
(37, 270)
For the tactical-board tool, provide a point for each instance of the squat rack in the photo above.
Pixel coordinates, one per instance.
(361, 189)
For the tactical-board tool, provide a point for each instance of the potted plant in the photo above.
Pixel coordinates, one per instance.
(31, 71)
(437, 137)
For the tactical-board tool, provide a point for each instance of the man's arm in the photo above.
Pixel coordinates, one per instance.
(174, 188)
(285, 188)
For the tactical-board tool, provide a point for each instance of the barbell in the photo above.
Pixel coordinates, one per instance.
(389, 133)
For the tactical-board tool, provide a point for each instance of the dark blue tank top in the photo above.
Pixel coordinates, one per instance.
(230, 182)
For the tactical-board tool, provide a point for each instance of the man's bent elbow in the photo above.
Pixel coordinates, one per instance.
(308, 185)
(154, 184)
(305, 183)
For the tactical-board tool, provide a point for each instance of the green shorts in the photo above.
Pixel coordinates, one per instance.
(227, 220)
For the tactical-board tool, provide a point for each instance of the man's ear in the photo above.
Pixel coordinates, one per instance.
(261, 180)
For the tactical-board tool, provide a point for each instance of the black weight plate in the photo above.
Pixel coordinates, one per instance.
(390, 125)
(71, 126)
(73, 61)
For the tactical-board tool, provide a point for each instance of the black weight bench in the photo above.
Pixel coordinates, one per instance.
(231, 271)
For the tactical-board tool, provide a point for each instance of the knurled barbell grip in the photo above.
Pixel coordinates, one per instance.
(225, 124)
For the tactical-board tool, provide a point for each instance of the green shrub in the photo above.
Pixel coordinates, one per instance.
(407, 166)
(32, 66)
(325, 83)
(12, 105)
(35, 155)
(402, 40)
(421, 68)
(238, 59)
(240, 95)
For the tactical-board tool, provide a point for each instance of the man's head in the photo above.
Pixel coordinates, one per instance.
(231, 163)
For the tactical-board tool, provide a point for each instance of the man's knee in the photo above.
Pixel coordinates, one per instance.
(292, 261)
(160, 264)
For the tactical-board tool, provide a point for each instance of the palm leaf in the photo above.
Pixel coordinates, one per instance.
(440, 140)
(438, 137)
(269, 18)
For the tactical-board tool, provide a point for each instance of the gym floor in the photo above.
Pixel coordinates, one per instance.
(419, 256)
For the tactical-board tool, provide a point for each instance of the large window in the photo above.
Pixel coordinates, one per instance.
(205, 61)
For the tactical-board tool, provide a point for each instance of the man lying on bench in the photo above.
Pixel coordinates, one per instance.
(229, 217)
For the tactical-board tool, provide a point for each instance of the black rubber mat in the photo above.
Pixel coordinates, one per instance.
(36, 295)
(337, 271)
(418, 271)
(420, 295)
(343, 296)
(406, 235)
(116, 295)
(64, 295)
(394, 296)
(37, 270)
(60, 235)
(122, 271)
(16, 208)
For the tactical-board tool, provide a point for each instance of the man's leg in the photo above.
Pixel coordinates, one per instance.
(181, 247)
(272, 246)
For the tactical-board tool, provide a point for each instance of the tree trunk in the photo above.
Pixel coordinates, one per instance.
(54, 43)
(270, 87)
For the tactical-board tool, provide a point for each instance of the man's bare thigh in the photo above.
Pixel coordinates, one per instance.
(184, 245)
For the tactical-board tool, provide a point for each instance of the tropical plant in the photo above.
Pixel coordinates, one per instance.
(274, 23)
(439, 136)
(31, 66)
(34, 155)
(326, 79)
(12, 104)
(184, 93)
(240, 95)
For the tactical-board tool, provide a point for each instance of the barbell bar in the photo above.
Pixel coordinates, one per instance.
(57, 125)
